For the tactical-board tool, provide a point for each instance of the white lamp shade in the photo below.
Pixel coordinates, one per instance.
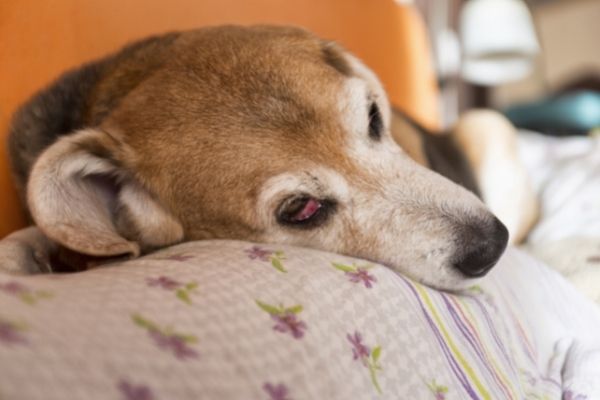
(499, 41)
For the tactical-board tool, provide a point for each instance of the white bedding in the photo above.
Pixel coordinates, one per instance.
(566, 175)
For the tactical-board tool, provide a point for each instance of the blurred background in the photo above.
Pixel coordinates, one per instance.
(538, 63)
(536, 60)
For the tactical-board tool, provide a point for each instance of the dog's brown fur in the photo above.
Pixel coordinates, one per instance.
(193, 135)
(122, 103)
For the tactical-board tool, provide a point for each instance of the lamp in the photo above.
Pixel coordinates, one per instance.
(498, 41)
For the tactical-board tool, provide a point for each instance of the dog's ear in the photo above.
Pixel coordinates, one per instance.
(81, 197)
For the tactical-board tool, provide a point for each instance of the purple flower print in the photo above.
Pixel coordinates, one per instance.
(134, 392)
(275, 257)
(173, 343)
(13, 288)
(276, 392)
(176, 343)
(286, 319)
(289, 322)
(163, 282)
(570, 395)
(357, 274)
(182, 291)
(362, 275)
(368, 358)
(258, 253)
(359, 350)
(25, 294)
(9, 334)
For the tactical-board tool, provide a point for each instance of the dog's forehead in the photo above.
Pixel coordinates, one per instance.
(237, 81)
(232, 48)
(266, 77)
(263, 83)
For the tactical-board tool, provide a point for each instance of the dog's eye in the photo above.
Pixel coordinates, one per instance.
(375, 122)
(303, 211)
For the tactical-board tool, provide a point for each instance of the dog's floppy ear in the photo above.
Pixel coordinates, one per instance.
(82, 198)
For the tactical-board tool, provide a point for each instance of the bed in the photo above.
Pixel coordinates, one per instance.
(236, 320)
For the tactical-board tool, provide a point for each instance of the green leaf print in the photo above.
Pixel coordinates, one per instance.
(342, 267)
(184, 296)
(144, 323)
(179, 344)
(376, 353)
(295, 309)
(368, 358)
(269, 308)
(373, 372)
(277, 264)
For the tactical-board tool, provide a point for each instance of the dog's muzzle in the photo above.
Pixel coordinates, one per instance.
(479, 246)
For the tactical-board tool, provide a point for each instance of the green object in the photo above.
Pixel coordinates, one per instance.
(575, 113)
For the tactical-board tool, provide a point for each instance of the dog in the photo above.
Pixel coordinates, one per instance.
(264, 133)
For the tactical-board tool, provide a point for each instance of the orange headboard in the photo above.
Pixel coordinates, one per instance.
(40, 39)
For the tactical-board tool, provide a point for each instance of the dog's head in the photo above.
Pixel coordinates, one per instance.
(263, 134)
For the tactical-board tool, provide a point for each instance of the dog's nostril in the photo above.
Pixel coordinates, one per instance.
(479, 247)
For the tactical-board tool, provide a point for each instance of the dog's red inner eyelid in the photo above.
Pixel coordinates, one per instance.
(310, 208)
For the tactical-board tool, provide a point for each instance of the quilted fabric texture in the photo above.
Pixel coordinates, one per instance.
(236, 320)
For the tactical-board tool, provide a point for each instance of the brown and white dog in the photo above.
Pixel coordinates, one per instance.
(265, 134)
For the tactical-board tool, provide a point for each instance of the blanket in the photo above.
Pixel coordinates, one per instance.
(566, 175)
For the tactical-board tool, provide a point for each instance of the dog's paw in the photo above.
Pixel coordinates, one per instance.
(19, 258)
(25, 252)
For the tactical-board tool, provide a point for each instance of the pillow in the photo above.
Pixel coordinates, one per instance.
(236, 320)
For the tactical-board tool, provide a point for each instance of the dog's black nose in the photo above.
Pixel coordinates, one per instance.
(479, 246)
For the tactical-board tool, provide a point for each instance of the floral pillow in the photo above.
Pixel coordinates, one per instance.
(236, 320)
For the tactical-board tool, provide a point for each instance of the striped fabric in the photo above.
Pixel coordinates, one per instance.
(488, 352)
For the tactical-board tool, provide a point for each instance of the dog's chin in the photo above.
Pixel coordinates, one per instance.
(449, 280)
(444, 278)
